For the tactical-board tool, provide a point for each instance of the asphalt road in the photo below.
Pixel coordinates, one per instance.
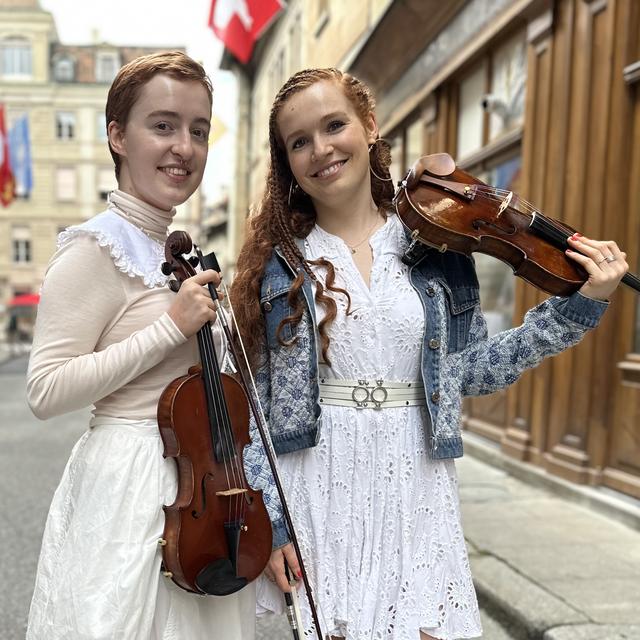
(32, 458)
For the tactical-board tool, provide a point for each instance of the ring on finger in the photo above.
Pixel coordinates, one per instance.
(610, 258)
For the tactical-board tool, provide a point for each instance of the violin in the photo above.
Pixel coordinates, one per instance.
(217, 536)
(458, 212)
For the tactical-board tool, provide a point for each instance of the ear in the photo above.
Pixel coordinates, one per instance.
(115, 134)
(371, 127)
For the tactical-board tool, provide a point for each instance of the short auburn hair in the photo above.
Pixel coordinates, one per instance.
(125, 89)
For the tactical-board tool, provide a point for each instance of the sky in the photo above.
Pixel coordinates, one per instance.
(162, 24)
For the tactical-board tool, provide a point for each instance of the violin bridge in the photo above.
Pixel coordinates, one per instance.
(505, 203)
(231, 492)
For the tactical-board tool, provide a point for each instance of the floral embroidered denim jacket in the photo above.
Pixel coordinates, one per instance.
(458, 358)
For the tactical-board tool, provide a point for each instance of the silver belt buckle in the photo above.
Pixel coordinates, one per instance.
(363, 393)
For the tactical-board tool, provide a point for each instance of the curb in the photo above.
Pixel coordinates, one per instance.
(619, 507)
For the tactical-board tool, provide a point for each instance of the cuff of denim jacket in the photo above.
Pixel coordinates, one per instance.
(280, 534)
(580, 309)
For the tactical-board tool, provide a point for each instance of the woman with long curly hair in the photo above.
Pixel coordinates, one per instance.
(362, 359)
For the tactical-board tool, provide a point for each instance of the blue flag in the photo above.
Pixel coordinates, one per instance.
(20, 156)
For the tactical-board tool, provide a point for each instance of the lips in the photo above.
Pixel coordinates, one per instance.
(329, 170)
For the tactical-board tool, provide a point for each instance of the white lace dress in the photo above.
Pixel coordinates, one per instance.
(378, 521)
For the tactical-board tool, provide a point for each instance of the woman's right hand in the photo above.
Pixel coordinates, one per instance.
(193, 306)
(274, 571)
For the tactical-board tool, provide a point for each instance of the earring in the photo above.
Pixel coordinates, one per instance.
(371, 168)
(291, 188)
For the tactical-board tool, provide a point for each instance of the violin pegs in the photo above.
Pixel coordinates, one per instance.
(167, 268)
(194, 261)
(162, 542)
(167, 574)
(174, 285)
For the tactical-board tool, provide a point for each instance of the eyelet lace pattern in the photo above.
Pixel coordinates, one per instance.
(378, 522)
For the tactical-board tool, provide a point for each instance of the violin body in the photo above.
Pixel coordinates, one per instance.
(195, 521)
(460, 213)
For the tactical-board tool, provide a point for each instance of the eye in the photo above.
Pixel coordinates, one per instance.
(201, 134)
(335, 125)
(298, 143)
(164, 127)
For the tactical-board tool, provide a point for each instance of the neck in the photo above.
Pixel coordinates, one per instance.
(153, 221)
(348, 220)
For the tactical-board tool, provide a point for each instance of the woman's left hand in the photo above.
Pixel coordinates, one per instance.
(602, 260)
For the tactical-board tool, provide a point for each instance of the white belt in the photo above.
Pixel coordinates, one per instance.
(377, 394)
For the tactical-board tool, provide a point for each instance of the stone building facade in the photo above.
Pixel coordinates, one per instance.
(62, 90)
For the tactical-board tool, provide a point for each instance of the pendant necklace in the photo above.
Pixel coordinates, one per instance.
(354, 247)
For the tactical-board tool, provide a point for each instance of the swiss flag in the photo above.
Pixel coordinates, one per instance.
(7, 182)
(239, 23)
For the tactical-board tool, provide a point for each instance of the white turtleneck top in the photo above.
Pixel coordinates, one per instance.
(103, 336)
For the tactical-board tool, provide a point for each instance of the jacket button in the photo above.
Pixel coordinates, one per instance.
(431, 292)
(434, 343)
(435, 396)
(267, 306)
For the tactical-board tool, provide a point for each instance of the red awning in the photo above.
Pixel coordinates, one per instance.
(25, 300)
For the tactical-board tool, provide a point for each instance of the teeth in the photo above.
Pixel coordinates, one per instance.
(330, 170)
(174, 171)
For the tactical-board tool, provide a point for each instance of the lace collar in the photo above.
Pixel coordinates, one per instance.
(134, 233)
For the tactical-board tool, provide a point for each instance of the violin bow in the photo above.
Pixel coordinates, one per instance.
(210, 262)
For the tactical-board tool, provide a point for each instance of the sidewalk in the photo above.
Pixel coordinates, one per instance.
(545, 566)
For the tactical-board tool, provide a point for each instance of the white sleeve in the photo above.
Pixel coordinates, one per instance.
(81, 295)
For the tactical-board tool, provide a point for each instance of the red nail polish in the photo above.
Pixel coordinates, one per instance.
(299, 574)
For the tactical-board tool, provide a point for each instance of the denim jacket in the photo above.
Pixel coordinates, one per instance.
(458, 358)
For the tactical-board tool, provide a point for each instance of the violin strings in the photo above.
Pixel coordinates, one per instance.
(234, 462)
(208, 370)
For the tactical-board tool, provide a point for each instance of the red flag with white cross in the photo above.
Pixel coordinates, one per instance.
(240, 23)
(7, 183)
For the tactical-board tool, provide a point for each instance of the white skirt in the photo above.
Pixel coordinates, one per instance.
(99, 569)
(379, 528)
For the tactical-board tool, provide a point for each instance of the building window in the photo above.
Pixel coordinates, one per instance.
(21, 244)
(66, 184)
(414, 143)
(106, 182)
(64, 69)
(101, 127)
(491, 97)
(470, 114)
(107, 65)
(497, 284)
(15, 58)
(65, 125)
(505, 103)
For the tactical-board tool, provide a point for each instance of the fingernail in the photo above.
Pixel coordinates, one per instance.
(299, 574)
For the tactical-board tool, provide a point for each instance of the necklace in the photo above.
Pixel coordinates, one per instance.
(354, 247)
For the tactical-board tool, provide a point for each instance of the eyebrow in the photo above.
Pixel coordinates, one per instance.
(329, 116)
(176, 115)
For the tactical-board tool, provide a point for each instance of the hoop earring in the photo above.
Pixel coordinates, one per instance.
(373, 144)
(291, 190)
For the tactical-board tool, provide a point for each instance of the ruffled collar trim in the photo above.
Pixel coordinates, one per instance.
(134, 252)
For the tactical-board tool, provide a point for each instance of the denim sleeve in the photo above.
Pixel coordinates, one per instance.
(488, 364)
(256, 464)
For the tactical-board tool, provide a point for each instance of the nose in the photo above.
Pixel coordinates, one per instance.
(322, 147)
(182, 144)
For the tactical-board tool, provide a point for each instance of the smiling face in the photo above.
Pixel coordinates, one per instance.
(163, 145)
(327, 143)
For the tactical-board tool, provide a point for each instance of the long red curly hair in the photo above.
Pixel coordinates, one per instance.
(285, 214)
